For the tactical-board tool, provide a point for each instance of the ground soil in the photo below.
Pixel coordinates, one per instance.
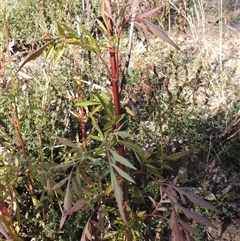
(220, 48)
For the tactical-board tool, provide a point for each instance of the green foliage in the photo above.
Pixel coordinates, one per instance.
(73, 175)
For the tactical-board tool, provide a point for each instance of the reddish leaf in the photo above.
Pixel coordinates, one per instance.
(158, 32)
(88, 8)
(108, 9)
(134, 5)
(66, 204)
(86, 234)
(194, 198)
(144, 29)
(34, 55)
(77, 205)
(176, 231)
(147, 14)
(195, 216)
(3, 231)
(189, 228)
(59, 184)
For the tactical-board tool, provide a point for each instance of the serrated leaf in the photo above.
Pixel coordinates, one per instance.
(195, 216)
(67, 203)
(86, 103)
(165, 165)
(59, 184)
(149, 13)
(4, 220)
(118, 194)
(86, 234)
(86, 191)
(63, 166)
(75, 188)
(153, 170)
(70, 31)
(122, 160)
(77, 205)
(195, 198)
(189, 228)
(96, 109)
(122, 173)
(3, 231)
(176, 156)
(34, 55)
(159, 32)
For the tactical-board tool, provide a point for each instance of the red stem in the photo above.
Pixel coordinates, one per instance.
(114, 76)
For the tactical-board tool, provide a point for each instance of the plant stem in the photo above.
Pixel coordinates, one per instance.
(114, 77)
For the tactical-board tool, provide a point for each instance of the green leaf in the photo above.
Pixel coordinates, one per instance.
(70, 31)
(96, 138)
(60, 29)
(96, 126)
(86, 103)
(122, 134)
(129, 111)
(109, 188)
(118, 194)
(101, 27)
(165, 165)
(59, 52)
(88, 34)
(62, 166)
(140, 154)
(122, 160)
(176, 156)
(86, 191)
(66, 142)
(141, 214)
(133, 146)
(74, 41)
(122, 173)
(34, 55)
(107, 126)
(50, 52)
(153, 170)
(96, 109)
(111, 108)
(119, 118)
(103, 103)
